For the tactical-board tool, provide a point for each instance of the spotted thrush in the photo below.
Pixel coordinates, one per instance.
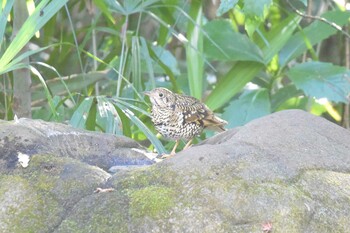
(178, 116)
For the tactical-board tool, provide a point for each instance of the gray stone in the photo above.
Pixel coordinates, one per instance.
(288, 171)
(39, 137)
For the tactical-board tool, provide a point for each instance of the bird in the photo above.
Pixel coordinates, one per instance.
(177, 116)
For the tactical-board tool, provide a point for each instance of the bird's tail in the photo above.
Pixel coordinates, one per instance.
(215, 123)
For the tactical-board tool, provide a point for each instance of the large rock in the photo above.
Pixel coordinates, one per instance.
(288, 171)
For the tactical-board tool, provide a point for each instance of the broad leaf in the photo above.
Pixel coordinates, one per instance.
(250, 105)
(312, 34)
(283, 94)
(244, 71)
(225, 44)
(257, 9)
(225, 5)
(165, 58)
(322, 80)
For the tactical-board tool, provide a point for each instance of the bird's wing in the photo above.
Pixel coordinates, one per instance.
(195, 111)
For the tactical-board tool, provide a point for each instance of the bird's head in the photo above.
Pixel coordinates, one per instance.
(161, 97)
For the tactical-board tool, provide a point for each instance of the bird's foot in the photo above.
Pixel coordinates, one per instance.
(167, 156)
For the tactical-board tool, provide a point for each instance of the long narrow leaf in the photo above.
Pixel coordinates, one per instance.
(243, 72)
(194, 51)
(79, 117)
(157, 144)
(47, 91)
(42, 13)
(3, 18)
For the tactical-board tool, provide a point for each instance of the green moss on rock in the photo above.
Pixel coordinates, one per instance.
(151, 201)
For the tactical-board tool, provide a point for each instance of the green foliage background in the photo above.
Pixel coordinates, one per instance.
(90, 61)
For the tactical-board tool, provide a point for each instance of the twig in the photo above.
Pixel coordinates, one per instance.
(324, 20)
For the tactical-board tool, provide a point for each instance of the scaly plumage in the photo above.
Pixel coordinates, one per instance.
(180, 116)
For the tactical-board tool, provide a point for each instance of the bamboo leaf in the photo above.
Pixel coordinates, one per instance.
(34, 23)
(194, 51)
(157, 144)
(80, 115)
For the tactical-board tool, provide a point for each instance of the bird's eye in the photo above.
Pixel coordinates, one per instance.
(161, 95)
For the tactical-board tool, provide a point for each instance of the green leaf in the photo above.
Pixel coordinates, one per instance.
(165, 58)
(217, 46)
(277, 40)
(80, 115)
(148, 60)
(91, 117)
(108, 117)
(33, 24)
(157, 144)
(244, 71)
(322, 80)
(76, 82)
(194, 51)
(225, 5)
(282, 95)
(258, 9)
(104, 8)
(3, 17)
(312, 34)
(232, 83)
(251, 104)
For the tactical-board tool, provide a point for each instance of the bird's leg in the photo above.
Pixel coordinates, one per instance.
(173, 151)
(188, 144)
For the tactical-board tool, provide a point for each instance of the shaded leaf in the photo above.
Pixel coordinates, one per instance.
(157, 144)
(254, 8)
(244, 71)
(59, 85)
(322, 80)
(80, 115)
(283, 94)
(225, 5)
(312, 34)
(233, 46)
(167, 59)
(108, 117)
(249, 106)
(3, 17)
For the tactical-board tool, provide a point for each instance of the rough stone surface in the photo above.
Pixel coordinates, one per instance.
(39, 137)
(288, 171)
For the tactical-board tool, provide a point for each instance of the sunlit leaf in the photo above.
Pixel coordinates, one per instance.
(194, 51)
(33, 24)
(322, 80)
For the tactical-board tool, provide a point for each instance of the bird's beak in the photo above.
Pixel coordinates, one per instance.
(147, 93)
